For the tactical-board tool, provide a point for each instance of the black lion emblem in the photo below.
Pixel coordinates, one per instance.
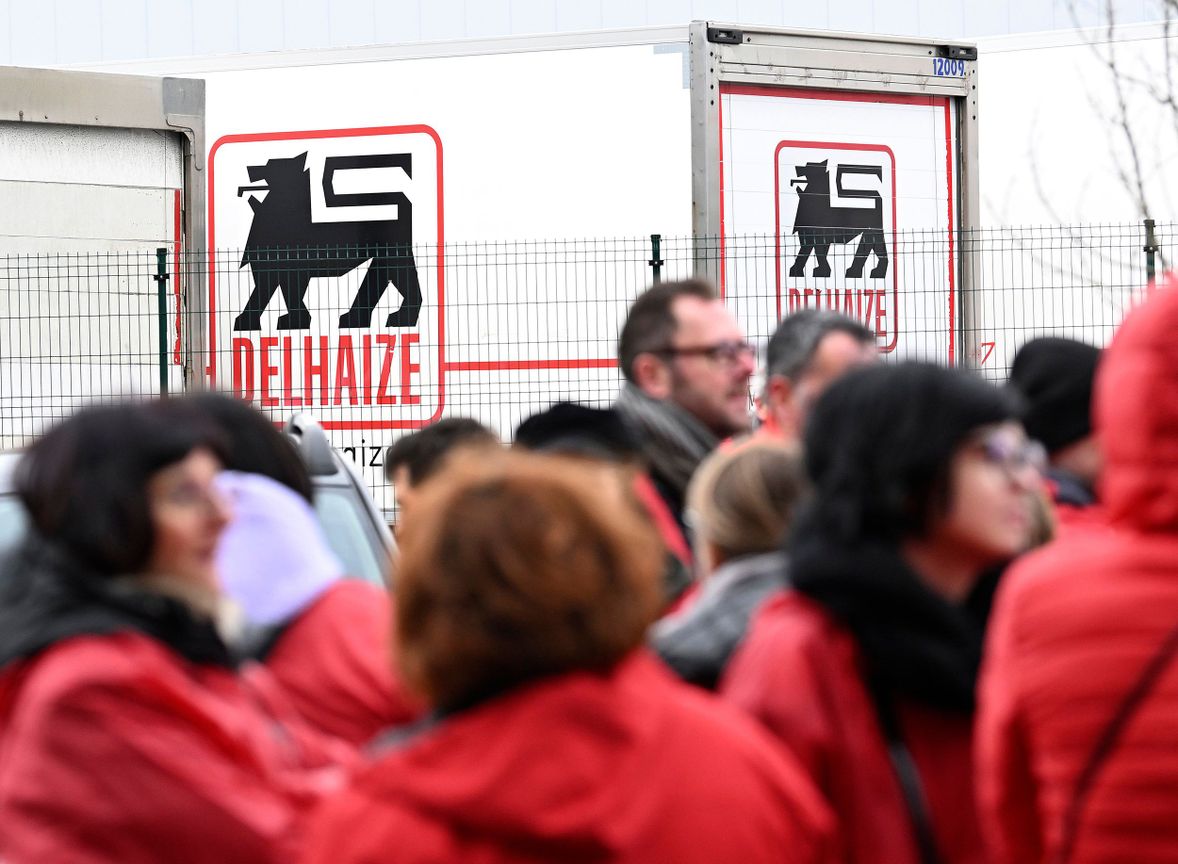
(818, 224)
(286, 250)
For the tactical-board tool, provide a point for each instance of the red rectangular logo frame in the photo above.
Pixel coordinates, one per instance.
(845, 147)
(320, 134)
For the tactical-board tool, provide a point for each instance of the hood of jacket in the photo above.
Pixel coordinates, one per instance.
(1135, 407)
(560, 769)
(46, 596)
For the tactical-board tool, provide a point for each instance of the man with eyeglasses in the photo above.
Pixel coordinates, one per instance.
(687, 368)
(808, 351)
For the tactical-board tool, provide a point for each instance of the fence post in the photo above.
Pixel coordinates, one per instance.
(1151, 250)
(161, 281)
(656, 260)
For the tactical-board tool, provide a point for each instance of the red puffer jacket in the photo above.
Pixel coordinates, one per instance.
(800, 673)
(630, 767)
(334, 661)
(115, 748)
(1075, 626)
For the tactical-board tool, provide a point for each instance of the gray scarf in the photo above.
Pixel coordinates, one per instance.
(673, 441)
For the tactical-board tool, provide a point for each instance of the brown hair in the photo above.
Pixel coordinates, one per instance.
(650, 323)
(742, 499)
(520, 567)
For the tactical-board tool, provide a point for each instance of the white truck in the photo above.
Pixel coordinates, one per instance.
(796, 169)
(394, 233)
(97, 171)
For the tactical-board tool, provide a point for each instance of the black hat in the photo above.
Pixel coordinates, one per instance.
(1054, 376)
(579, 430)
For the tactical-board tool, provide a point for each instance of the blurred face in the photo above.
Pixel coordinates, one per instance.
(710, 366)
(187, 515)
(402, 494)
(989, 517)
(790, 403)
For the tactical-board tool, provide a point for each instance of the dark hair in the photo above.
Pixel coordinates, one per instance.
(84, 482)
(1055, 376)
(252, 442)
(650, 323)
(579, 430)
(424, 451)
(795, 341)
(522, 567)
(879, 444)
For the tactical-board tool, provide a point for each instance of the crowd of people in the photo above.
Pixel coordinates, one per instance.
(896, 614)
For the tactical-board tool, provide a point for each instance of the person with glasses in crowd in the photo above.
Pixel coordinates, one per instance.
(865, 668)
(687, 367)
(809, 350)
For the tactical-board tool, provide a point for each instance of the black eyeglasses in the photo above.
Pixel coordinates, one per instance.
(730, 353)
(1016, 457)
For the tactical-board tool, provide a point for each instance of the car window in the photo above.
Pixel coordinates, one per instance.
(350, 534)
(12, 522)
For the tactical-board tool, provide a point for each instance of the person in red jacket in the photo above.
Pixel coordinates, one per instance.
(1079, 694)
(1054, 378)
(126, 732)
(809, 350)
(525, 590)
(325, 638)
(865, 669)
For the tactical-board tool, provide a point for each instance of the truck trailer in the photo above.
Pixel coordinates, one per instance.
(398, 233)
(97, 172)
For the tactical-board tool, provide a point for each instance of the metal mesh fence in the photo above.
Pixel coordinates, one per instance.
(376, 341)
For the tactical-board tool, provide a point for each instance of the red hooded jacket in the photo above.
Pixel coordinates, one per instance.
(1075, 626)
(800, 673)
(630, 767)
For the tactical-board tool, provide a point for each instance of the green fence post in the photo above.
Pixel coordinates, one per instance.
(1151, 251)
(656, 259)
(161, 281)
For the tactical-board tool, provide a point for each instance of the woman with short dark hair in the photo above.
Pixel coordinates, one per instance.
(126, 733)
(525, 588)
(251, 441)
(866, 669)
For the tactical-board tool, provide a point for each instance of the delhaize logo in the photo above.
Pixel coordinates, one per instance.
(838, 201)
(326, 281)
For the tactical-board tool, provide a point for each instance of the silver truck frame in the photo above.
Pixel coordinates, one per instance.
(730, 53)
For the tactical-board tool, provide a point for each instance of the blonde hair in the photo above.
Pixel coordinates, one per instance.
(742, 500)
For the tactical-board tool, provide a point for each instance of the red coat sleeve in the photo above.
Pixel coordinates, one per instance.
(1007, 800)
(163, 778)
(335, 663)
